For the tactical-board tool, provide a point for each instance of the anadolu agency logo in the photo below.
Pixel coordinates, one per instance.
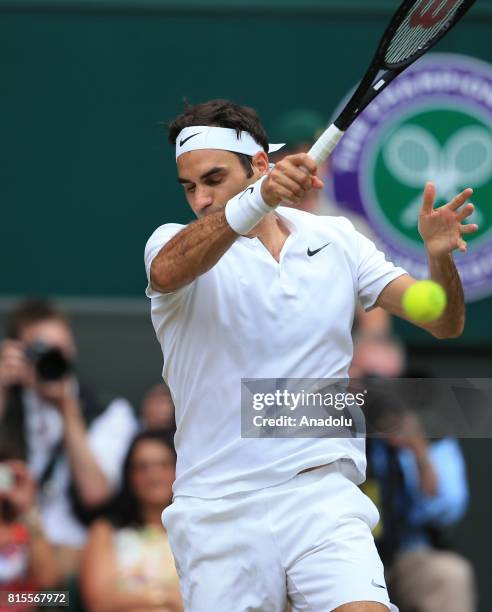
(433, 123)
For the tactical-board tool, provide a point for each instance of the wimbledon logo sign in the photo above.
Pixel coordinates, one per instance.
(433, 123)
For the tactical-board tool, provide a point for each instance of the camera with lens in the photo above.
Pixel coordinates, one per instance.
(49, 361)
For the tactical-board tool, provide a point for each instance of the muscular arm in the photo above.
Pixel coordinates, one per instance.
(443, 271)
(442, 230)
(200, 245)
(192, 252)
(452, 322)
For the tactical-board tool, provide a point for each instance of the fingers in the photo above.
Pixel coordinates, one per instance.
(291, 185)
(291, 178)
(297, 173)
(281, 194)
(465, 212)
(304, 160)
(52, 390)
(460, 199)
(428, 199)
(462, 246)
(468, 229)
(13, 365)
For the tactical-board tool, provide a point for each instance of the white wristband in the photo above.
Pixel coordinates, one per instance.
(247, 209)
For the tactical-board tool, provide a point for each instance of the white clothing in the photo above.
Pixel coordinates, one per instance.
(109, 437)
(252, 317)
(308, 538)
(199, 137)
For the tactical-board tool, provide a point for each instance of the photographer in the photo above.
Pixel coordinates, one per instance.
(74, 446)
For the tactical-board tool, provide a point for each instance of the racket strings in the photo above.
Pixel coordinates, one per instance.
(426, 20)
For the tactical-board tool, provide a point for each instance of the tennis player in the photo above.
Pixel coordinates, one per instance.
(253, 289)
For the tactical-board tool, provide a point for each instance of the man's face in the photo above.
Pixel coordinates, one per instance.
(157, 410)
(52, 332)
(210, 178)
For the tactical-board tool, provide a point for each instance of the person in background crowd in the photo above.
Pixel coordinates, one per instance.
(127, 564)
(157, 409)
(420, 488)
(377, 354)
(74, 445)
(299, 129)
(27, 561)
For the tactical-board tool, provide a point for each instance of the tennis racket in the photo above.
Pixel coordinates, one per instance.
(414, 29)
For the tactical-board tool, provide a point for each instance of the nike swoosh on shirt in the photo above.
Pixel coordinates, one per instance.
(181, 142)
(311, 253)
(380, 586)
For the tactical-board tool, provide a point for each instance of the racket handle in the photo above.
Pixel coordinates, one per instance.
(325, 144)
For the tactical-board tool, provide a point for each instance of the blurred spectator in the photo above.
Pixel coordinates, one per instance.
(299, 129)
(377, 354)
(128, 563)
(27, 561)
(420, 488)
(157, 409)
(74, 446)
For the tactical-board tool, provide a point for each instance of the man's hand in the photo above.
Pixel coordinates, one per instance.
(14, 369)
(442, 229)
(411, 436)
(57, 392)
(410, 433)
(290, 180)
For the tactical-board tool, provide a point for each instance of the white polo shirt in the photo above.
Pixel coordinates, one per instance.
(253, 317)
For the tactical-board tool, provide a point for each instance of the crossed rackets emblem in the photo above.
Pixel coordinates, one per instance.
(414, 156)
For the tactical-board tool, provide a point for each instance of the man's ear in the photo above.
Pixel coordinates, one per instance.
(261, 163)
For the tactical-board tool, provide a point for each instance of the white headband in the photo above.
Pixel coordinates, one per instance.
(209, 137)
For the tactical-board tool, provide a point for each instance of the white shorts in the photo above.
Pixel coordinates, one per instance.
(308, 539)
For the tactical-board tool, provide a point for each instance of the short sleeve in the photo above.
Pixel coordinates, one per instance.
(159, 238)
(374, 272)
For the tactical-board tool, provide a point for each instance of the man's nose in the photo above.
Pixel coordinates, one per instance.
(203, 199)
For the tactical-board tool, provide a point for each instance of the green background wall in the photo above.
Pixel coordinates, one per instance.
(86, 89)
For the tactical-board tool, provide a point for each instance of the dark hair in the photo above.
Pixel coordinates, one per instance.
(124, 509)
(27, 312)
(222, 113)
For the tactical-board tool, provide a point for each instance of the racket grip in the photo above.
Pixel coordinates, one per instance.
(325, 144)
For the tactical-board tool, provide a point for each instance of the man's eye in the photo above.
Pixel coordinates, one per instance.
(213, 182)
(190, 189)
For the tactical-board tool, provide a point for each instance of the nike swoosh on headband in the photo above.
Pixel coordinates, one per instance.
(181, 142)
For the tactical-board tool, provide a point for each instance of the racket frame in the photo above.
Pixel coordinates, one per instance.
(371, 86)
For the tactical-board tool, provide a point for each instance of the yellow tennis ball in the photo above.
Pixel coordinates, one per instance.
(424, 301)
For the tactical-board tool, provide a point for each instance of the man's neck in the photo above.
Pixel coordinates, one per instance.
(273, 233)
